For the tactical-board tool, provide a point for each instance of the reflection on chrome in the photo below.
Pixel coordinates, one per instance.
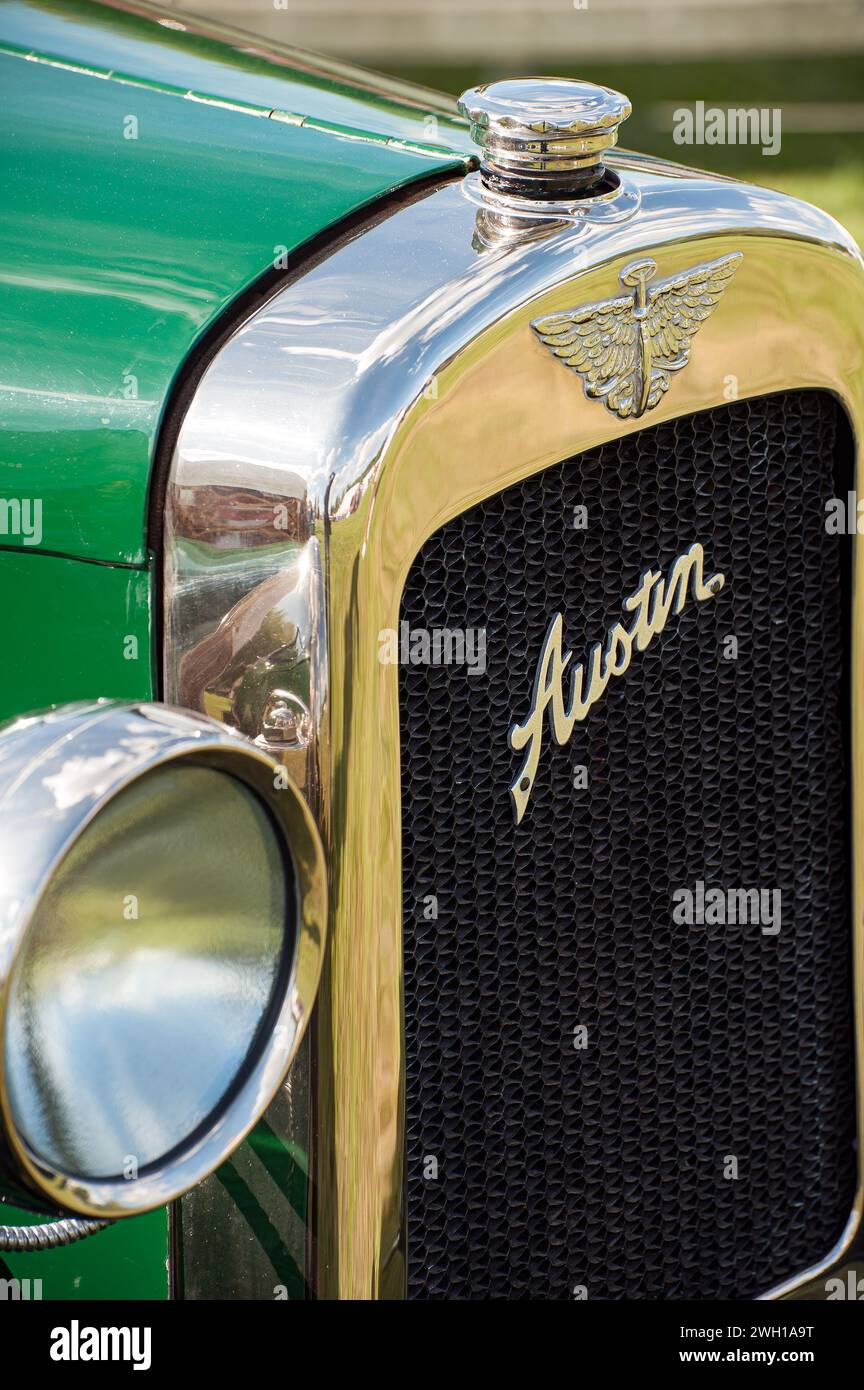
(146, 971)
(246, 643)
(392, 386)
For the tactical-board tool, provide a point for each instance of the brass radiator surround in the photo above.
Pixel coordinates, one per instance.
(388, 403)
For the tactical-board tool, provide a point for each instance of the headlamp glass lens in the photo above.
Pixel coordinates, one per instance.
(152, 961)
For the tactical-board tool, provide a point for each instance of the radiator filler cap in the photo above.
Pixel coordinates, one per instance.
(544, 137)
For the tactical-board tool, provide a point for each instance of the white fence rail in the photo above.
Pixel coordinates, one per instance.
(518, 31)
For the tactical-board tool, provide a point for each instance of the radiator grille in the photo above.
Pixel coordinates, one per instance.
(604, 1168)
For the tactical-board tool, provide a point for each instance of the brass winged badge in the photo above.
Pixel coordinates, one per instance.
(626, 349)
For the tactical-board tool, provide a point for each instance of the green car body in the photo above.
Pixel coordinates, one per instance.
(269, 325)
(152, 177)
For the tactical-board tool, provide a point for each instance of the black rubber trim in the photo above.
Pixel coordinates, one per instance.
(571, 184)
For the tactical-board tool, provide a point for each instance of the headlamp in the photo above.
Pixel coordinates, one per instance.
(162, 910)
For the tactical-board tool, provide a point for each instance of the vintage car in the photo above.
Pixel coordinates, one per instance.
(431, 787)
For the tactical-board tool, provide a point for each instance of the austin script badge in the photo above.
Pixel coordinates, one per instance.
(651, 603)
(626, 348)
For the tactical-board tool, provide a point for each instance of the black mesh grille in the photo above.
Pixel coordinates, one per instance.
(605, 1167)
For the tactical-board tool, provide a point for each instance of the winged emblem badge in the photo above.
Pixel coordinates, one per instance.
(626, 349)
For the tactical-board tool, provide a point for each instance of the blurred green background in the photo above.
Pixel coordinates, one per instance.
(824, 165)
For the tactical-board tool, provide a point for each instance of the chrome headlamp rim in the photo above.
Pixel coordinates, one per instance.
(163, 736)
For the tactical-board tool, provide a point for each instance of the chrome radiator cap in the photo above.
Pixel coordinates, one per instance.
(535, 132)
